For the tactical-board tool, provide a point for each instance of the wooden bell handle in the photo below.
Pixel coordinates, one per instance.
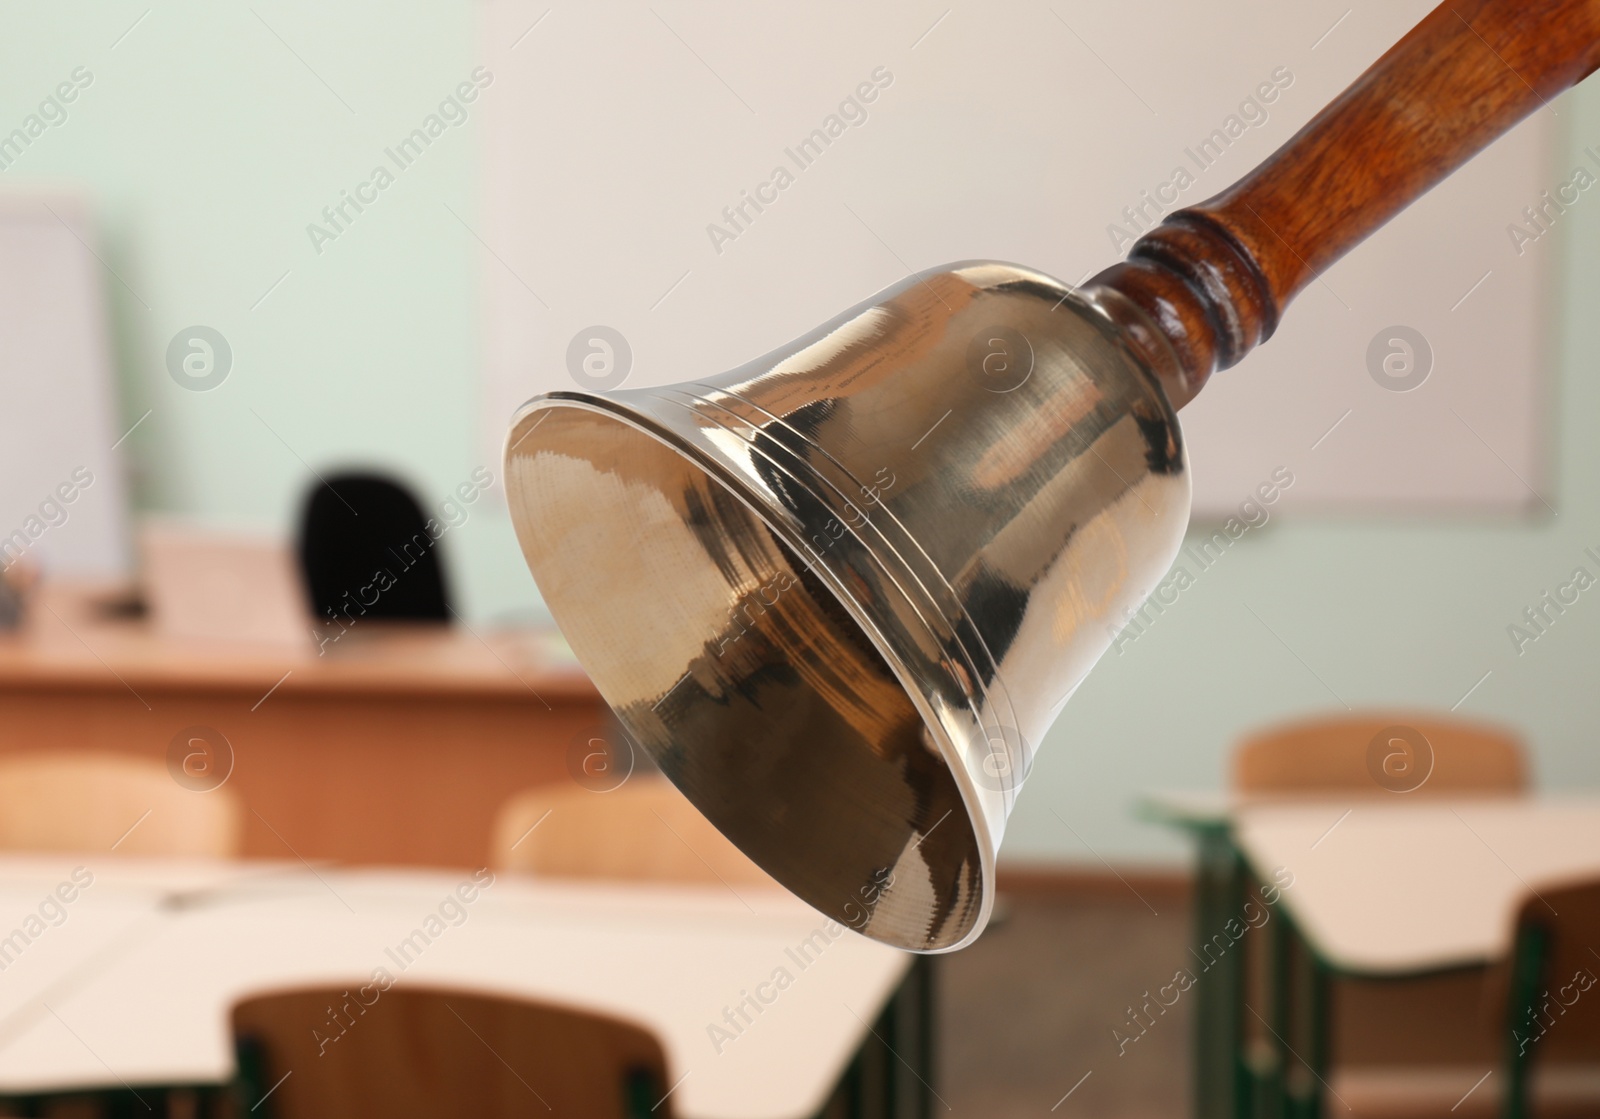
(1209, 284)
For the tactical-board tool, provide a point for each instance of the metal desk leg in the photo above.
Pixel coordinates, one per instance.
(1280, 1017)
(1221, 1079)
(892, 1075)
(1320, 1030)
(910, 1017)
(1306, 1032)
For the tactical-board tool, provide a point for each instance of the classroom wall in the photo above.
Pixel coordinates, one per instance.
(211, 137)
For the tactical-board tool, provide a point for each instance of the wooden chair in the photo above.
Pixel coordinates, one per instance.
(97, 802)
(410, 1053)
(1549, 1004)
(644, 830)
(1335, 754)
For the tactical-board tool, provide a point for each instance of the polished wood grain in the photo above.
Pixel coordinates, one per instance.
(1210, 283)
(396, 746)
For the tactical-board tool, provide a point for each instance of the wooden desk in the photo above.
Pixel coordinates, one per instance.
(151, 1009)
(397, 745)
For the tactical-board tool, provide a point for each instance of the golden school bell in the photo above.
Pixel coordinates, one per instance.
(838, 594)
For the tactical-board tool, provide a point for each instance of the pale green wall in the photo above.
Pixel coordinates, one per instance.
(210, 147)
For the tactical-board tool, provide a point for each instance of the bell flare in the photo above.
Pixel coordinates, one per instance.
(840, 593)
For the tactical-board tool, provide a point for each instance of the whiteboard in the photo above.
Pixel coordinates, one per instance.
(616, 134)
(62, 491)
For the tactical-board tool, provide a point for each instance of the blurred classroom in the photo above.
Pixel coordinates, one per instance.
(306, 807)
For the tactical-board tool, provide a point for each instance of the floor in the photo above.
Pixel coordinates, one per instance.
(1048, 1011)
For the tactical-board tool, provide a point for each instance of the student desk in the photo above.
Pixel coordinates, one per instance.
(395, 746)
(132, 991)
(1380, 888)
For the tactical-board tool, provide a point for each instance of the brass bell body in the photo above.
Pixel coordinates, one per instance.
(840, 592)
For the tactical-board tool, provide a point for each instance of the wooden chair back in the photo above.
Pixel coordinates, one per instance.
(642, 831)
(1548, 991)
(409, 1053)
(1381, 752)
(97, 802)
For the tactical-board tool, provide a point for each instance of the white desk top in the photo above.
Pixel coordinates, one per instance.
(1386, 888)
(128, 989)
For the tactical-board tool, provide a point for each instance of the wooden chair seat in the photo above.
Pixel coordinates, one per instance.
(1337, 754)
(412, 1053)
(645, 830)
(92, 801)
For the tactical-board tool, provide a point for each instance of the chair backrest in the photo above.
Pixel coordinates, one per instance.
(408, 1053)
(1547, 993)
(366, 551)
(92, 801)
(1381, 752)
(644, 830)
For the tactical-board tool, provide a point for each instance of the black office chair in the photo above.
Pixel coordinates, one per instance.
(366, 552)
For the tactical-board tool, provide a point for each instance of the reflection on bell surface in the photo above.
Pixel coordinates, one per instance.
(840, 592)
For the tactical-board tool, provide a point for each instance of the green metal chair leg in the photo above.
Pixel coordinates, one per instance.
(1521, 1006)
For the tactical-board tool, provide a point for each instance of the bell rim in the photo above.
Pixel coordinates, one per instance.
(659, 430)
